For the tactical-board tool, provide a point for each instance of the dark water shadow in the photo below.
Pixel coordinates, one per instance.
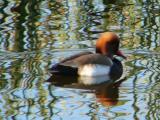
(106, 93)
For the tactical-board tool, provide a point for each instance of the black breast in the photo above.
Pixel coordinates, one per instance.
(116, 69)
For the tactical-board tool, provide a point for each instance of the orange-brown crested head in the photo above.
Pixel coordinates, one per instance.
(108, 44)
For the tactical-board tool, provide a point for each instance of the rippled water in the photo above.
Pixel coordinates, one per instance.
(36, 34)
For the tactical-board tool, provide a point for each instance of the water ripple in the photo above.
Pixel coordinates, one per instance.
(34, 35)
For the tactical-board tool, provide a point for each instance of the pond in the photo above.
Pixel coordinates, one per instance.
(36, 34)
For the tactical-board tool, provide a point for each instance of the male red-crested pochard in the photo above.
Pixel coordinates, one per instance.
(94, 68)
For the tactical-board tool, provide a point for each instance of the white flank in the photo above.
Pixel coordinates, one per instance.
(91, 74)
(88, 80)
(93, 70)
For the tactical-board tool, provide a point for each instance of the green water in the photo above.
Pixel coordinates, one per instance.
(35, 34)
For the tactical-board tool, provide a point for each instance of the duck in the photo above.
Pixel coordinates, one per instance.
(94, 67)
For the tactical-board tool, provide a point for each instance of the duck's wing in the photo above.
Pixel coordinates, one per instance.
(75, 56)
(65, 66)
(87, 59)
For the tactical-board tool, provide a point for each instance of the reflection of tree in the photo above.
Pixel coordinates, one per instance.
(27, 103)
(144, 23)
(145, 81)
(154, 80)
(24, 77)
(150, 24)
(68, 21)
(63, 24)
(25, 34)
(2, 20)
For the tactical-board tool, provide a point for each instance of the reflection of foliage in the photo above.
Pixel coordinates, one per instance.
(145, 81)
(3, 83)
(38, 25)
(144, 24)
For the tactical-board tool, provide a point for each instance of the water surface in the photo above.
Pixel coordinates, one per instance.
(36, 34)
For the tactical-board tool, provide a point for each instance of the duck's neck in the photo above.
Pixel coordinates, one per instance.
(110, 56)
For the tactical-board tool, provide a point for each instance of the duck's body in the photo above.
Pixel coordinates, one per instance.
(88, 64)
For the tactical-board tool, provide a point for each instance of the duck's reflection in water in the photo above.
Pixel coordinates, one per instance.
(107, 93)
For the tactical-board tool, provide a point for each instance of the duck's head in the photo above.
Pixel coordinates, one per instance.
(108, 44)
